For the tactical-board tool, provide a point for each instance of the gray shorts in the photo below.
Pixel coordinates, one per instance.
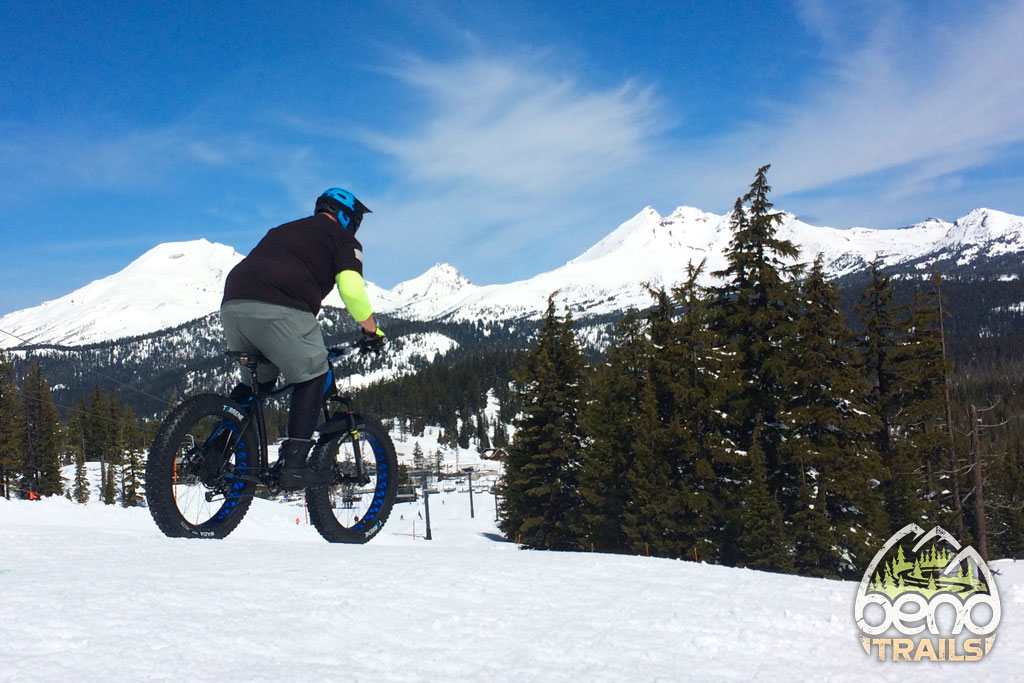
(291, 339)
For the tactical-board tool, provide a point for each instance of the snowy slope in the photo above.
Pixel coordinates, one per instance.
(175, 283)
(95, 593)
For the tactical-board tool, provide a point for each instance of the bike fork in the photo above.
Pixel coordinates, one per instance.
(356, 447)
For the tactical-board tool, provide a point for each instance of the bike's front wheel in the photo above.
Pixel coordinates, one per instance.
(354, 509)
(191, 476)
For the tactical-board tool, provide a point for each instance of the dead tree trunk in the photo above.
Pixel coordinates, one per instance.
(980, 541)
(954, 461)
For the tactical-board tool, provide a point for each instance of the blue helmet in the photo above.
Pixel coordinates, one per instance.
(343, 205)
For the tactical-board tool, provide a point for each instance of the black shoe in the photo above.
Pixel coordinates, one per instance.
(291, 475)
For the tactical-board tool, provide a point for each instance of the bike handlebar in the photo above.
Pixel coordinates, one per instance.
(347, 349)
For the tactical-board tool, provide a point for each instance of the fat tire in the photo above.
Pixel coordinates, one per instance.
(319, 499)
(161, 463)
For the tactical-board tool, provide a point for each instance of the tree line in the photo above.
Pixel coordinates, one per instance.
(746, 424)
(35, 444)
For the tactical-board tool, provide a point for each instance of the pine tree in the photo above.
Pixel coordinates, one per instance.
(465, 430)
(132, 467)
(754, 310)
(880, 348)
(500, 439)
(614, 391)
(709, 376)
(438, 460)
(76, 443)
(10, 427)
(81, 491)
(682, 456)
(418, 461)
(41, 427)
(667, 514)
(482, 440)
(830, 432)
(450, 434)
(922, 372)
(541, 504)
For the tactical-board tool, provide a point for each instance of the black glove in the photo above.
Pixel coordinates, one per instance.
(373, 342)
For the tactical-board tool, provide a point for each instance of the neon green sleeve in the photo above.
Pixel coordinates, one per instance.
(353, 293)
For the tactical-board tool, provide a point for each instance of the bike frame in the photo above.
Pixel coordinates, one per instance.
(347, 420)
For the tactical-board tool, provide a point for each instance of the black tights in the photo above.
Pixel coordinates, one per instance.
(307, 397)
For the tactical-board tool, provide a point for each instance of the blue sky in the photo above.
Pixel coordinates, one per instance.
(503, 138)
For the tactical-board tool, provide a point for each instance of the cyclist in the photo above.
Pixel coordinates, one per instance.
(270, 303)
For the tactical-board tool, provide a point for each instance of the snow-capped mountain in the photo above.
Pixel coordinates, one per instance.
(170, 284)
(650, 248)
(177, 282)
(416, 298)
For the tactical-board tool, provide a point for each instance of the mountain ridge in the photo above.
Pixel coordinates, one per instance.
(176, 282)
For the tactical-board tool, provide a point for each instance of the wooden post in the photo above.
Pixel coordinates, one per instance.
(980, 540)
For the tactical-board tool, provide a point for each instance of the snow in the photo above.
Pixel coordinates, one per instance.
(96, 593)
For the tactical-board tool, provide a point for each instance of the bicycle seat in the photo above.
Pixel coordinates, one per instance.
(248, 359)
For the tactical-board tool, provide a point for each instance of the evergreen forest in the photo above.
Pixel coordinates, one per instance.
(747, 424)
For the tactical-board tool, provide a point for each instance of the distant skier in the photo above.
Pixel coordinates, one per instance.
(270, 304)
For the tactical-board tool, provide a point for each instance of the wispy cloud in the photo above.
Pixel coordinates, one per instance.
(513, 127)
(918, 102)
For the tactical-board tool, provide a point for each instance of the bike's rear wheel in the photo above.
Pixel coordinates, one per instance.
(191, 487)
(353, 510)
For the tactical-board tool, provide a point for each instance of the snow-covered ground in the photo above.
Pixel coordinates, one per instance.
(96, 593)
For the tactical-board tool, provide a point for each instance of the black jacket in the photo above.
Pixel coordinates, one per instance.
(295, 264)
